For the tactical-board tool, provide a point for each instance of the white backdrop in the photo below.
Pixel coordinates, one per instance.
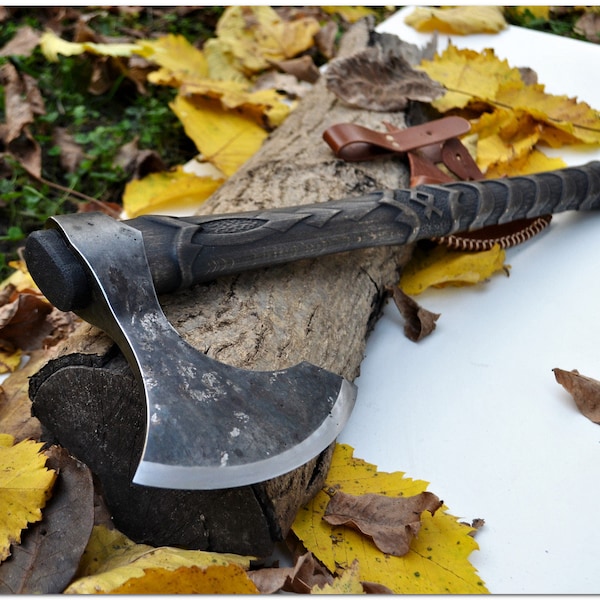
(474, 409)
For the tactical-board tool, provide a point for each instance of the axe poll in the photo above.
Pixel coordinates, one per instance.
(210, 425)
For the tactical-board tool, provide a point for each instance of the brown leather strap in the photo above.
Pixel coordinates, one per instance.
(457, 158)
(426, 146)
(423, 170)
(353, 142)
(452, 154)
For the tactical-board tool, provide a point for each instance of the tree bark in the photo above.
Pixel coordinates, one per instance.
(320, 311)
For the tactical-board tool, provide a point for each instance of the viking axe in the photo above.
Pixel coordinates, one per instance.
(211, 425)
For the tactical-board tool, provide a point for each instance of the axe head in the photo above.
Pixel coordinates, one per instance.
(209, 425)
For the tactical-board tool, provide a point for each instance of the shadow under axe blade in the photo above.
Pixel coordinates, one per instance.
(211, 425)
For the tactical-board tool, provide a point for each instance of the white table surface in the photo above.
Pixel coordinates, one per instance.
(474, 409)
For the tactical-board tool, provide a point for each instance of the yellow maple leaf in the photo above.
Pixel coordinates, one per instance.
(541, 12)
(534, 162)
(225, 138)
(111, 559)
(462, 20)
(20, 278)
(351, 14)
(25, 486)
(577, 119)
(347, 583)
(504, 136)
(438, 559)
(222, 63)
(174, 189)
(264, 106)
(52, 45)
(481, 80)
(468, 76)
(442, 267)
(255, 36)
(10, 360)
(178, 59)
(220, 579)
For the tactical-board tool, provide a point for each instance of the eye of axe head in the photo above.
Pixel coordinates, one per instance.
(208, 425)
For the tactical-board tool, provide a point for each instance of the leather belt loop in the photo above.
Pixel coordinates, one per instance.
(353, 142)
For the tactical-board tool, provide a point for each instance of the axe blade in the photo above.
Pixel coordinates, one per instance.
(248, 427)
(208, 425)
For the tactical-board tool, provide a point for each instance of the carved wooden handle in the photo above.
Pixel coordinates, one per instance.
(184, 251)
(189, 250)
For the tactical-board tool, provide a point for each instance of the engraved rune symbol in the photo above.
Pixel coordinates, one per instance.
(427, 201)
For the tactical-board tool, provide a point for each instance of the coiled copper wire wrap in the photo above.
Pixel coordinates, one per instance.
(506, 236)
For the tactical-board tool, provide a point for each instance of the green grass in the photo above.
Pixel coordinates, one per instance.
(100, 124)
(559, 22)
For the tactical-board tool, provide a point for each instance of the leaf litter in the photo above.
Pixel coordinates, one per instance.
(558, 120)
(438, 557)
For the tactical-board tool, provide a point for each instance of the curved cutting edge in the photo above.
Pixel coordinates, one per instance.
(227, 476)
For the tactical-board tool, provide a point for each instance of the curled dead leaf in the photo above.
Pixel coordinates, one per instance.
(306, 574)
(380, 80)
(584, 390)
(391, 522)
(22, 43)
(302, 67)
(418, 321)
(588, 25)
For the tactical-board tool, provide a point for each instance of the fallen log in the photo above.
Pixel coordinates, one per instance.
(316, 310)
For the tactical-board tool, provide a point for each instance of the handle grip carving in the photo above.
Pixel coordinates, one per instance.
(189, 250)
(205, 247)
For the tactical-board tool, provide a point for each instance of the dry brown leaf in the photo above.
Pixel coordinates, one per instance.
(23, 321)
(584, 390)
(325, 39)
(15, 405)
(22, 101)
(139, 163)
(418, 321)
(391, 522)
(27, 321)
(302, 67)
(71, 153)
(375, 588)
(300, 579)
(440, 552)
(377, 80)
(59, 539)
(588, 25)
(22, 43)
